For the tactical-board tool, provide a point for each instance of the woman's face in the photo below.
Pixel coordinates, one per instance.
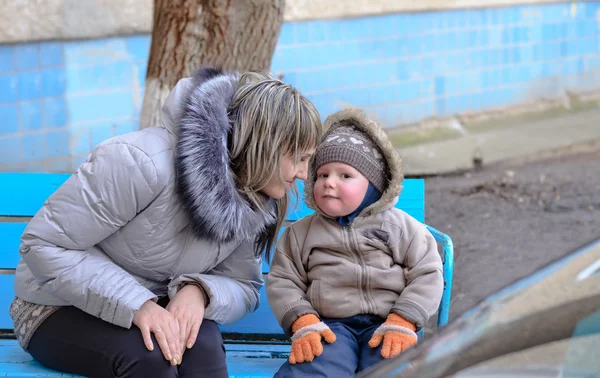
(291, 169)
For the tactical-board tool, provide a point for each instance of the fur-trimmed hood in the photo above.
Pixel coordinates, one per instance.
(147, 212)
(359, 119)
(196, 114)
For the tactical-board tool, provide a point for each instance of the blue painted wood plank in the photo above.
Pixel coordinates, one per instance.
(412, 201)
(261, 321)
(297, 209)
(253, 367)
(281, 350)
(413, 189)
(10, 239)
(417, 213)
(22, 194)
(243, 360)
(265, 263)
(7, 294)
(253, 360)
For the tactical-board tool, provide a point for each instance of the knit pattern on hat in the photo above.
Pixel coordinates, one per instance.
(359, 119)
(348, 145)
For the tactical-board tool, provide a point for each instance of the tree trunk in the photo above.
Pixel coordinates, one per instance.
(238, 35)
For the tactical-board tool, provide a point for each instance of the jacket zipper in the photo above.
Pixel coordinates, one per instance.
(363, 270)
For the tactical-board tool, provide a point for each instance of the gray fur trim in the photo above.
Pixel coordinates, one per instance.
(359, 119)
(218, 211)
(317, 327)
(384, 328)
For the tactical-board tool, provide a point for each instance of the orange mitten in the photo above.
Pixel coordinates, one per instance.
(397, 335)
(306, 341)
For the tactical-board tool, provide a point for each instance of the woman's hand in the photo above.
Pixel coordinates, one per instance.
(153, 318)
(188, 308)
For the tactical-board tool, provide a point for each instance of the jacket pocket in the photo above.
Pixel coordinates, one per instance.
(377, 236)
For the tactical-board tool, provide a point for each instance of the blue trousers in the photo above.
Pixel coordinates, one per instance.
(348, 355)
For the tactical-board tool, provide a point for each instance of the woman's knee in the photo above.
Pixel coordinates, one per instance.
(144, 364)
(207, 356)
(209, 340)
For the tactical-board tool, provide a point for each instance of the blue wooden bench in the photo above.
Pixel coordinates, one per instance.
(256, 345)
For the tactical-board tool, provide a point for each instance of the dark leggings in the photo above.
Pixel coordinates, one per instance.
(75, 342)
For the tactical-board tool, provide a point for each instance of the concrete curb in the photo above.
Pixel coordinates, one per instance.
(501, 144)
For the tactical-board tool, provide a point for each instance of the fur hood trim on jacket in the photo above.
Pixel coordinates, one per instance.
(358, 119)
(199, 118)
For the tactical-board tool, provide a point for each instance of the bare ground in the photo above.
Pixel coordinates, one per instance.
(508, 220)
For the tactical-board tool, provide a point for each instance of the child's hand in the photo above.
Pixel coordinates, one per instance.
(306, 341)
(397, 335)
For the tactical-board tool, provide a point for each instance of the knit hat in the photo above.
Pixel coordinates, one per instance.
(348, 145)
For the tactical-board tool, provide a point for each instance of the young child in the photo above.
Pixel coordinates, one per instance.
(358, 273)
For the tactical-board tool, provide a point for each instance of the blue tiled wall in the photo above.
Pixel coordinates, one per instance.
(59, 99)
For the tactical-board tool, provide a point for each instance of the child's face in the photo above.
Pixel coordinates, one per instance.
(339, 189)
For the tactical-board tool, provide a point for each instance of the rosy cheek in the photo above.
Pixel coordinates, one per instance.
(354, 196)
(316, 190)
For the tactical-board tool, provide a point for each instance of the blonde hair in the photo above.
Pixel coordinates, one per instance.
(269, 119)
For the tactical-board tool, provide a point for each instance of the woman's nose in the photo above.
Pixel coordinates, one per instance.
(302, 172)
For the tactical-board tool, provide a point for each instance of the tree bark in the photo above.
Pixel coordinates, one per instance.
(238, 35)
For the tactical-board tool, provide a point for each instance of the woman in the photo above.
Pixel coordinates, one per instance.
(160, 232)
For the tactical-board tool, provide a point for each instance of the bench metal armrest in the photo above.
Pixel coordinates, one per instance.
(448, 262)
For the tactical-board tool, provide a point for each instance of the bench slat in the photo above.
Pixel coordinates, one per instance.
(243, 360)
(22, 195)
(261, 321)
(7, 294)
(412, 201)
(10, 239)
